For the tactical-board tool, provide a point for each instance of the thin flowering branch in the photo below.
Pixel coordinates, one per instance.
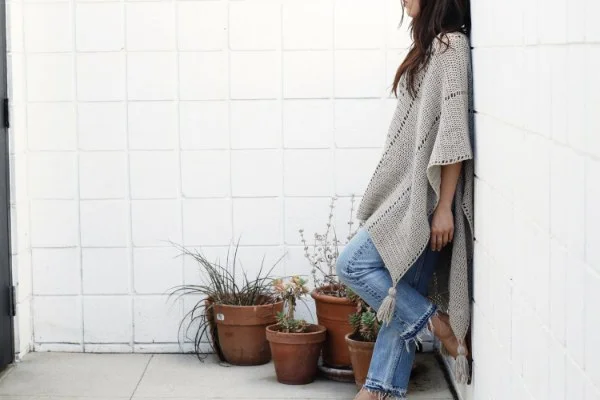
(351, 221)
(324, 252)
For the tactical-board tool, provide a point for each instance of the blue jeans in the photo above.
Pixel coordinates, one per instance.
(361, 268)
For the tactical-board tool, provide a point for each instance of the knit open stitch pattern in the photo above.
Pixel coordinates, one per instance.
(429, 130)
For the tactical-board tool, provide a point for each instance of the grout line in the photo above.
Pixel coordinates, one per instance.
(77, 199)
(128, 198)
(281, 148)
(228, 100)
(332, 140)
(25, 154)
(178, 151)
(244, 99)
(142, 377)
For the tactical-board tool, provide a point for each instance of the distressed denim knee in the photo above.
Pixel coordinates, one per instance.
(358, 258)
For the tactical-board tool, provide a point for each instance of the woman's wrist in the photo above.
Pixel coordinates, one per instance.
(444, 205)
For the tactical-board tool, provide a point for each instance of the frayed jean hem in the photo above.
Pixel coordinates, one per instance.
(415, 329)
(384, 391)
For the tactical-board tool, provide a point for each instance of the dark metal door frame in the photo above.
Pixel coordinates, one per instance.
(7, 298)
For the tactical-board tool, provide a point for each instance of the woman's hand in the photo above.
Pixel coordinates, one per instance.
(442, 227)
(442, 224)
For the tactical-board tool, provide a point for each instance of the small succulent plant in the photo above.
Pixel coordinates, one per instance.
(364, 321)
(290, 291)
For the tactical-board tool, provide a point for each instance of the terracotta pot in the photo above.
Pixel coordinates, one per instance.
(214, 336)
(296, 355)
(241, 331)
(360, 354)
(333, 313)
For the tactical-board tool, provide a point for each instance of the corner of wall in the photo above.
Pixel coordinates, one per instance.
(19, 197)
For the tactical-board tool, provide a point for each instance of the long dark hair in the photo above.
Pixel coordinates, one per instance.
(436, 17)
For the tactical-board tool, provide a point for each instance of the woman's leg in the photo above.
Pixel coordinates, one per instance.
(393, 356)
(362, 269)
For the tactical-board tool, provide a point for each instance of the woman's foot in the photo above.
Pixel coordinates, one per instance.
(439, 325)
(364, 394)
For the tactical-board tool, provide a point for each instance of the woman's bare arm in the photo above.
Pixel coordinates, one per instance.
(442, 224)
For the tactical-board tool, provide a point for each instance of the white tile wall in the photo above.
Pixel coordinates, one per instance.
(62, 116)
(152, 125)
(156, 270)
(299, 131)
(318, 14)
(150, 26)
(265, 69)
(307, 74)
(155, 221)
(203, 76)
(112, 326)
(204, 125)
(100, 126)
(48, 27)
(156, 319)
(101, 77)
(57, 319)
(192, 122)
(255, 124)
(52, 175)
(154, 174)
(23, 115)
(141, 123)
(205, 173)
(261, 227)
(254, 26)
(308, 173)
(99, 17)
(201, 25)
(143, 70)
(101, 175)
(536, 190)
(105, 270)
(56, 271)
(104, 223)
(207, 222)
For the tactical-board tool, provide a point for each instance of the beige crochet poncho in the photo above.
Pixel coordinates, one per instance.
(428, 131)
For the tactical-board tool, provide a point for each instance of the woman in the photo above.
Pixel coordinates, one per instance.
(418, 207)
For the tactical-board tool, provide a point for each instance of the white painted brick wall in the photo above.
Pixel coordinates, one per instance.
(19, 170)
(537, 273)
(140, 122)
(135, 123)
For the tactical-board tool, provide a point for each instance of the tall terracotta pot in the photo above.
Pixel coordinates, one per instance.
(296, 355)
(241, 332)
(360, 355)
(214, 336)
(333, 313)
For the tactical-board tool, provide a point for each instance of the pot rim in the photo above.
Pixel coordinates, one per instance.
(238, 307)
(305, 338)
(355, 342)
(320, 330)
(326, 298)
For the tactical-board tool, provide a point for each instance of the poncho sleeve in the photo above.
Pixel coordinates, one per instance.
(452, 143)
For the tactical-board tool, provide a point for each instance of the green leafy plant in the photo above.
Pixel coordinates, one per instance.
(364, 321)
(323, 252)
(220, 284)
(291, 291)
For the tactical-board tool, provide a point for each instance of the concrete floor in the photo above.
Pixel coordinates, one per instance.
(65, 376)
